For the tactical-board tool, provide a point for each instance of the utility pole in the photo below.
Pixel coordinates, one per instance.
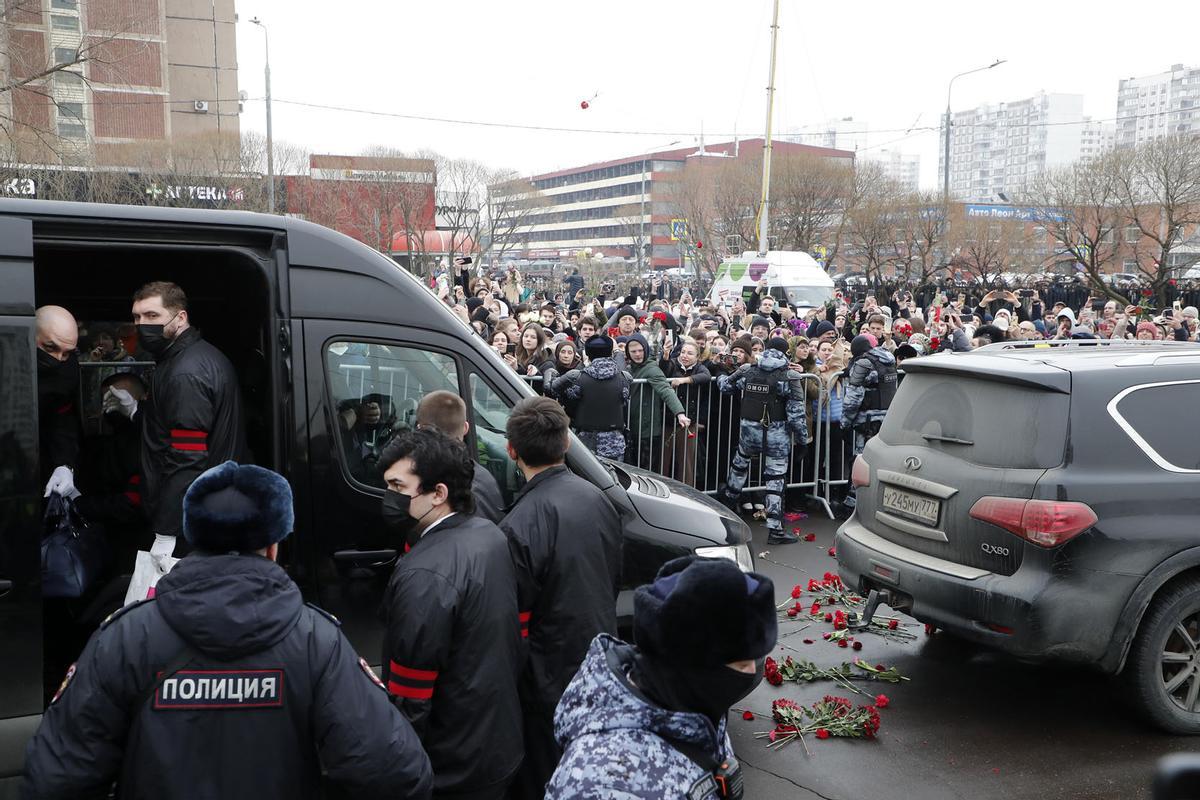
(946, 150)
(764, 209)
(270, 139)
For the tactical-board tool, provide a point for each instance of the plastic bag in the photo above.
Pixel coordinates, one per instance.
(146, 575)
(74, 552)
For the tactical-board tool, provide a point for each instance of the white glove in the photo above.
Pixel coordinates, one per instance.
(62, 481)
(161, 552)
(119, 400)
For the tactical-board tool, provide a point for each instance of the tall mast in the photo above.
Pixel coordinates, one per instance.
(764, 208)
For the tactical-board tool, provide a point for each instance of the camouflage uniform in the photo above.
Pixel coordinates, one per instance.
(772, 440)
(615, 742)
(864, 422)
(609, 444)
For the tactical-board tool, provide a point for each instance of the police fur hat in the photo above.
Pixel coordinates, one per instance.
(778, 343)
(598, 347)
(237, 507)
(860, 344)
(705, 612)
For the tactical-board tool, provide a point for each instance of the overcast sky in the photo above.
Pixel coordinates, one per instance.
(670, 67)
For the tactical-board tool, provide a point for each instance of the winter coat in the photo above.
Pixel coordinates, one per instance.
(452, 652)
(651, 400)
(616, 742)
(786, 383)
(862, 376)
(694, 396)
(272, 695)
(191, 421)
(489, 503)
(569, 389)
(568, 577)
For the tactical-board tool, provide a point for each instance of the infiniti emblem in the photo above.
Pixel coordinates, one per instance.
(912, 463)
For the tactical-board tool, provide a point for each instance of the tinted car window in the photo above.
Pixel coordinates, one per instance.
(1156, 413)
(376, 388)
(1007, 426)
(489, 417)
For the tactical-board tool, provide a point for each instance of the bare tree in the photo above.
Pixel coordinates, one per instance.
(871, 219)
(920, 231)
(1079, 211)
(1158, 189)
(718, 199)
(461, 188)
(985, 247)
(636, 230)
(808, 194)
(511, 204)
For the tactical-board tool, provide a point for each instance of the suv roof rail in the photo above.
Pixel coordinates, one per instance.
(1058, 344)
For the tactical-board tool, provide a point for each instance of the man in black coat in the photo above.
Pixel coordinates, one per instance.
(225, 684)
(565, 540)
(452, 647)
(446, 412)
(192, 419)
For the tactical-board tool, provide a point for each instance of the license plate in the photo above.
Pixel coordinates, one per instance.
(911, 506)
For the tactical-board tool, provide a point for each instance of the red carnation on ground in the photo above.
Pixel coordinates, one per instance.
(893, 624)
(843, 643)
(796, 592)
(809, 537)
(832, 553)
(828, 617)
(747, 715)
(881, 701)
(791, 612)
(822, 733)
(858, 645)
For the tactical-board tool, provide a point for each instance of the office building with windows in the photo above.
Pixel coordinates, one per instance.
(1166, 104)
(118, 75)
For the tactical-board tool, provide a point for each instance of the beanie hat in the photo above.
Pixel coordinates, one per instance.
(626, 311)
(920, 343)
(763, 321)
(1080, 332)
(705, 612)
(823, 327)
(237, 507)
(598, 347)
(480, 314)
(1148, 327)
(905, 351)
(991, 333)
(743, 343)
(778, 343)
(860, 344)
(473, 303)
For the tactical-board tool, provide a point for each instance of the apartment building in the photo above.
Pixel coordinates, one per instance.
(1165, 104)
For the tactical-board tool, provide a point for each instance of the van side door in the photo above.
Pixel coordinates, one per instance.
(20, 502)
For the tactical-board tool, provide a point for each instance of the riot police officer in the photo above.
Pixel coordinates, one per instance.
(870, 386)
(772, 412)
(225, 684)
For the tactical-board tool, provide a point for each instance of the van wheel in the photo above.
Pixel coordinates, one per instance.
(1164, 663)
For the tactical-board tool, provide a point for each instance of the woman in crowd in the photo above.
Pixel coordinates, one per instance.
(689, 378)
(831, 360)
(532, 357)
(651, 402)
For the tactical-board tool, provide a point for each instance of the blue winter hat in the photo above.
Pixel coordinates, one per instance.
(237, 508)
(705, 612)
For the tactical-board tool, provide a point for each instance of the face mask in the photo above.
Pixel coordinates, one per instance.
(153, 338)
(396, 516)
(710, 691)
(58, 381)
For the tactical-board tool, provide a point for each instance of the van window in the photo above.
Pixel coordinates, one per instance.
(376, 389)
(1008, 426)
(803, 296)
(1150, 412)
(489, 419)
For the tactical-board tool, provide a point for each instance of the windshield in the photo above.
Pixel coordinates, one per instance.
(803, 296)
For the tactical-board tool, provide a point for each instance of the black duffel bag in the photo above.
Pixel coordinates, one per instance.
(74, 552)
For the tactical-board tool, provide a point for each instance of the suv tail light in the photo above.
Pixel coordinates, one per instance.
(1047, 523)
(860, 473)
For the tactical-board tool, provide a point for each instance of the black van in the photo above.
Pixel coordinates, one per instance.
(315, 323)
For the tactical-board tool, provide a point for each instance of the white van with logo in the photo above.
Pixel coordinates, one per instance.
(793, 277)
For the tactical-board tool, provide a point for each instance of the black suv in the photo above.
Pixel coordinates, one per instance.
(1044, 499)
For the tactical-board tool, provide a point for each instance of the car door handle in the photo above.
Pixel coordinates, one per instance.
(365, 558)
(5, 587)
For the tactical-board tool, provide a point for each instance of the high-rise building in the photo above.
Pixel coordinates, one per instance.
(902, 168)
(842, 133)
(108, 77)
(1165, 104)
(996, 150)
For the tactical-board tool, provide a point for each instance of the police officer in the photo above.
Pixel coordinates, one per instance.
(597, 399)
(565, 540)
(225, 684)
(57, 336)
(648, 721)
(446, 412)
(870, 387)
(772, 413)
(452, 645)
(193, 417)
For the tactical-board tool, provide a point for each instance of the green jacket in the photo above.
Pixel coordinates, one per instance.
(646, 400)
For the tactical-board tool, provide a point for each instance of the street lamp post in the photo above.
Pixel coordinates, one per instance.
(270, 139)
(946, 152)
(642, 213)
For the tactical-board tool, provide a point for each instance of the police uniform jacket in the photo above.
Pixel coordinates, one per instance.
(192, 421)
(565, 540)
(270, 693)
(452, 653)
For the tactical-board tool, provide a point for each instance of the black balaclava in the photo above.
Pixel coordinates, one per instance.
(58, 381)
(707, 690)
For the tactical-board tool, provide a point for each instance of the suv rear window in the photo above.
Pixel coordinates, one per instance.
(1008, 426)
(1155, 413)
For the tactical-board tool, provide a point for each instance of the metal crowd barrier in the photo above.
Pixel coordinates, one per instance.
(700, 454)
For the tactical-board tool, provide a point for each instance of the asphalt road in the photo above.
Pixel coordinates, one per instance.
(971, 723)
